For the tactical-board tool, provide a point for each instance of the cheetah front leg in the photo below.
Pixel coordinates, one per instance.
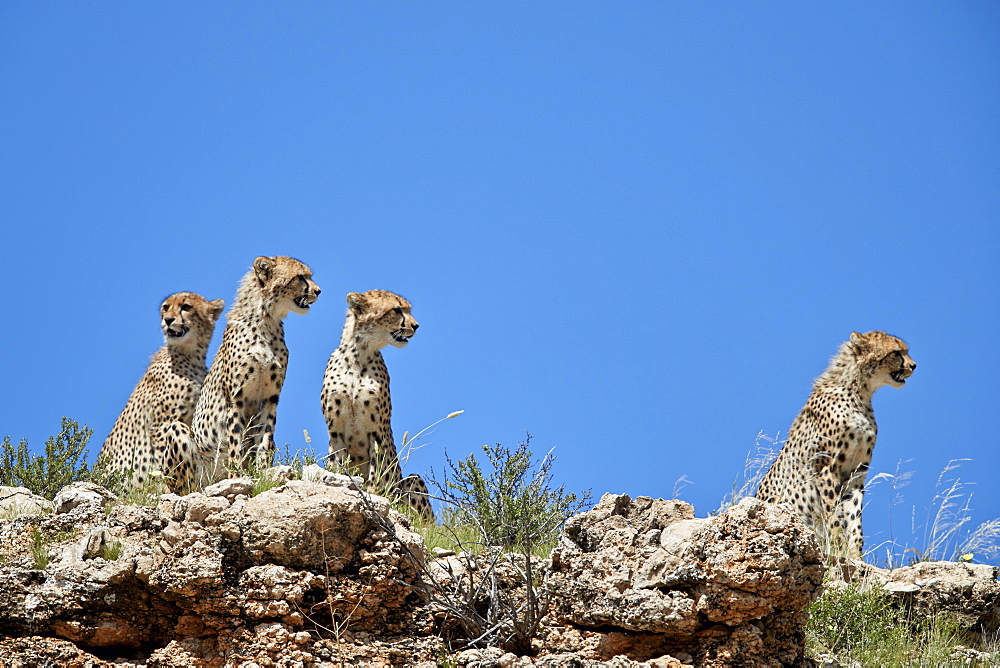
(186, 465)
(847, 536)
(413, 492)
(263, 449)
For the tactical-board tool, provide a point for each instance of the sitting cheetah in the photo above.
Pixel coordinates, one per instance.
(822, 467)
(355, 396)
(234, 419)
(167, 393)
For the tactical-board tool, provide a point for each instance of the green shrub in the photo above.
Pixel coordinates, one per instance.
(513, 504)
(859, 625)
(510, 515)
(64, 461)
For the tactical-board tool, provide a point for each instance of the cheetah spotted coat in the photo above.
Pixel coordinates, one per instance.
(356, 401)
(821, 469)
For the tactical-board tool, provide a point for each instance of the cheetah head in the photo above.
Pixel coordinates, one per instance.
(188, 317)
(382, 317)
(887, 356)
(288, 284)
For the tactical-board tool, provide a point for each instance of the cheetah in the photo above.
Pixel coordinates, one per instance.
(234, 420)
(355, 396)
(167, 393)
(821, 469)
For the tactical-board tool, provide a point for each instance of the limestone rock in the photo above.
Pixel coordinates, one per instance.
(16, 501)
(230, 488)
(968, 593)
(192, 573)
(317, 473)
(82, 494)
(731, 588)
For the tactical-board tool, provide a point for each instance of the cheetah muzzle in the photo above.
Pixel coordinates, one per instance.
(399, 337)
(304, 302)
(901, 375)
(176, 333)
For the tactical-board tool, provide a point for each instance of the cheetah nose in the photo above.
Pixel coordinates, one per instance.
(169, 320)
(415, 326)
(913, 366)
(317, 291)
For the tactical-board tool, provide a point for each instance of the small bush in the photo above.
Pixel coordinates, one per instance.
(511, 516)
(513, 504)
(855, 624)
(64, 461)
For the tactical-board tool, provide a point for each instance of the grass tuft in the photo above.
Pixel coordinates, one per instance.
(858, 624)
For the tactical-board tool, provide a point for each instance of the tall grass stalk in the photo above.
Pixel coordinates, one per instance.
(758, 460)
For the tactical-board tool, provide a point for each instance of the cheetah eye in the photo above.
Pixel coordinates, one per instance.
(398, 311)
(186, 307)
(165, 307)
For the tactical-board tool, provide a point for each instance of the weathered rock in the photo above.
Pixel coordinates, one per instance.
(317, 473)
(968, 593)
(16, 501)
(78, 494)
(730, 589)
(310, 574)
(191, 575)
(230, 488)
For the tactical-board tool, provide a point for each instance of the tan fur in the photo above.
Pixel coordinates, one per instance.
(821, 469)
(167, 392)
(355, 396)
(235, 417)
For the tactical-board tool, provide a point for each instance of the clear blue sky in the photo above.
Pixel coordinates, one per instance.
(637, 231)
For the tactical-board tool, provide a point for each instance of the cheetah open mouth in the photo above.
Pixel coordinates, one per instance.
(177, 333)
(899, 376)
(303, 302)
(398, 336)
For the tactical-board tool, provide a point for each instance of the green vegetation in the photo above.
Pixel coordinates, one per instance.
(510, 516)
(512, 505)
(39, 549)
(111, 550)
(857, 625)
(450, 534)
(64, 461)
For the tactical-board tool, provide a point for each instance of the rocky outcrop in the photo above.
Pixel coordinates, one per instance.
(969, 594)
(213, 580)
(16, 501)
(315, 574)
(645, 579)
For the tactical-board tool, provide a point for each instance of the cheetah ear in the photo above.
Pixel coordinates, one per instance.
(262, 266)
(859, 342)
(357, 302)
(216, 308)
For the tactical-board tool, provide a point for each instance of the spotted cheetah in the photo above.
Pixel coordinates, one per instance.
(233, 425)
(822, 467)
(355, 396)
(167, 393)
